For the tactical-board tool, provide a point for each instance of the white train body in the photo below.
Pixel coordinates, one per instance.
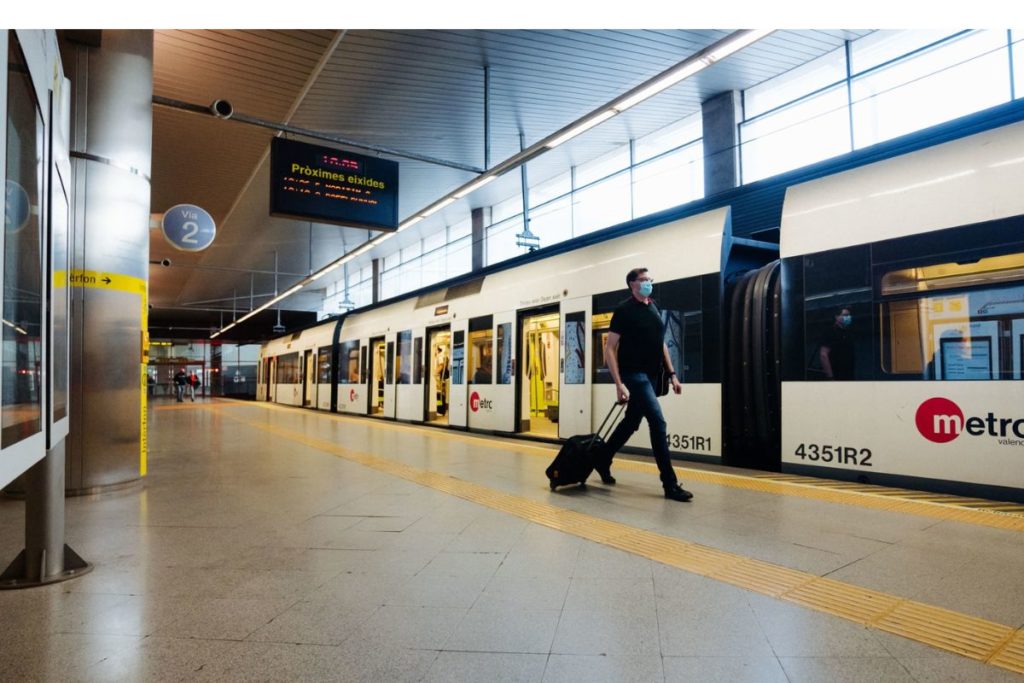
(925, 250)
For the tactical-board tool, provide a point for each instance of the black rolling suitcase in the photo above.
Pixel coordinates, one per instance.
(575, 460)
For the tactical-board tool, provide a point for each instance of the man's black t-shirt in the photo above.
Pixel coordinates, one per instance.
(641, 336)
(840, 355)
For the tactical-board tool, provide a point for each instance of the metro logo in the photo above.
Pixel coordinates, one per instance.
(476, 403)
(352, 396)
(940, 420)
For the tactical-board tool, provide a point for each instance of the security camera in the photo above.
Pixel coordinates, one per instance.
(222, 109)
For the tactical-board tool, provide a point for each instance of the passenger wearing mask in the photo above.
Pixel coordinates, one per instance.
(836, 347)
(635, 353)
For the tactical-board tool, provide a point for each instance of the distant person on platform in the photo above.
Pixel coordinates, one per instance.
(193, 384)
(180, 380)
(836, 347)
(635, 353)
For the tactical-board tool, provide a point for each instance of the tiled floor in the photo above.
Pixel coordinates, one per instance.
(249, 556)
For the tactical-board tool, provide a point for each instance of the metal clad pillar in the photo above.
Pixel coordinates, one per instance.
(111, 143)
(478, 216)
(721, 117)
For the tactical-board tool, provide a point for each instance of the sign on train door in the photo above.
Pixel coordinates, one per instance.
(459, 389)
(574, 370)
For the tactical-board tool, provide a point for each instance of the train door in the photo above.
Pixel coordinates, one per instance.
(266, 378)
(459, 389)
(439, 373)
(574, 388)
(308, 379)
(375, 377)
(539, 335)
(390, 377)
(272, 379)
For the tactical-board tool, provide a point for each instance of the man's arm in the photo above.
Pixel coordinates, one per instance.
(611, 359)
(667, 360)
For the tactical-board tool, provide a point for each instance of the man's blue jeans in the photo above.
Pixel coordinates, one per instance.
(644, 404)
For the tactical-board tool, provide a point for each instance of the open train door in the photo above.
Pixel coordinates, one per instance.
(574, 379)
(457, 416)
(390, 393)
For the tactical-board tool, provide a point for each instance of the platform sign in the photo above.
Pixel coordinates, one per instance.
(188, 227)
(327, 185)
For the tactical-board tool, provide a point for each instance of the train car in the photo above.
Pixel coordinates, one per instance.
(520, 349)
(296, 370)
(885, 346)
(903, 329)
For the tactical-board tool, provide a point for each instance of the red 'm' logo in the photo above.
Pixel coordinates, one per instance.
(474, 402)
(352, 395)
(939, 420)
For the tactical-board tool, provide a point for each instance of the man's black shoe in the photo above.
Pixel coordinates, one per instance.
(677, 492)
(606, 476)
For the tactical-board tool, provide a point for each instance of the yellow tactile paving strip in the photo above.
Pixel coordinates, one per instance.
(978, 639)
(1008, 516)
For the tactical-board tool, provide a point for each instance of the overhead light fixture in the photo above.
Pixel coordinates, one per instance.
(472, 187)
(437, 207)
(409, 222)
(580, 128)
(691, 66)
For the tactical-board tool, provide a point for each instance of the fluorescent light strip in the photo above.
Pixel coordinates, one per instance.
(437, 207)
(690, 67)
(580, 128)
(733, 43)
(475, 185)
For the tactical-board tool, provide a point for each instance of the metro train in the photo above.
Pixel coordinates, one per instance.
(880, 340)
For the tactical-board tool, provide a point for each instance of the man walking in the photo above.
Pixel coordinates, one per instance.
(635, 353)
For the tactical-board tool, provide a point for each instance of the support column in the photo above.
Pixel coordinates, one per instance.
(478, 216)
(376, 280)
(721, 117)
(111, 151)
(45, 559)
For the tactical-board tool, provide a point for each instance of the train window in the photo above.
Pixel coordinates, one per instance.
(324, 365)
(575, 365)
(966, 322)
(505, 353)
(481, 352)
(362, 365)
(22, 277)
(458, 357)
(389, 372)
(837, 314)
(348, 359)
(288, 369)
(417, 361)
(403, 370)
(600, 322)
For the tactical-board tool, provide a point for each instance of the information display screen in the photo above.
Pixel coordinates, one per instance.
(331, 186)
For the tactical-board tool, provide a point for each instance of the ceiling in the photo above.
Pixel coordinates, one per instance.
(416, 91)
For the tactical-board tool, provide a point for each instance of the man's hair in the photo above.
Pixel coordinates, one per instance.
(634, 275)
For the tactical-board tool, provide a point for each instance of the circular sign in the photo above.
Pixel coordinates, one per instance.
(188, 227)
(939, 420)
(18, 207)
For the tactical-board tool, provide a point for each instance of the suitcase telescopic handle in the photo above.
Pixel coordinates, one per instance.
(621, 407)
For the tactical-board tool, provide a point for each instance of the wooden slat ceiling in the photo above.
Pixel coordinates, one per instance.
(420, 91)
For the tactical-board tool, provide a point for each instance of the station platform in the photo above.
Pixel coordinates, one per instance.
(273, 543)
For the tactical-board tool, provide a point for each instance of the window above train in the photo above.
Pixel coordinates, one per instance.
(995, 270)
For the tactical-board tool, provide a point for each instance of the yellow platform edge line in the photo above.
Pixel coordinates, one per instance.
(962, 634)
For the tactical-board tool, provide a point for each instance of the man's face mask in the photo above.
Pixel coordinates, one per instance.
(846, 320)
(646, 287)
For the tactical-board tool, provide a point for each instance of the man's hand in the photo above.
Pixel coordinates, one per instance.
(676, 386)
(621, 393)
